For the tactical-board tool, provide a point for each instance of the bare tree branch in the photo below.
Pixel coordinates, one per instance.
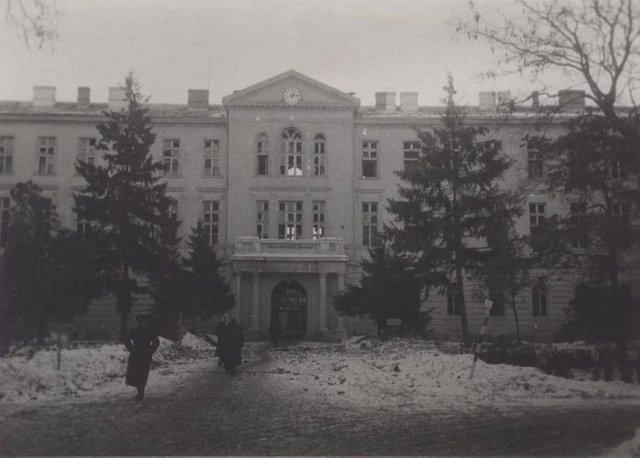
(33, 20)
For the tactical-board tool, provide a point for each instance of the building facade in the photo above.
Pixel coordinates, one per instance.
(290, 178)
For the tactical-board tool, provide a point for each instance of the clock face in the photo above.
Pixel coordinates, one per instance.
(292, 96)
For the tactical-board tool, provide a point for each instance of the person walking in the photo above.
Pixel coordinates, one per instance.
(141, 343)
(218, 332)
(232, 343)
(275, 330)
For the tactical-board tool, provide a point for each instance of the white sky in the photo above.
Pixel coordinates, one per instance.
(360, 46)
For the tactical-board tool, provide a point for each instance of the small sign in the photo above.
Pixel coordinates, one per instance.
(394, 322)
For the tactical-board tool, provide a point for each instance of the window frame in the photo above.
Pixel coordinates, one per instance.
(173, 158)
(539, 309)
(262, 155)
(319, 155)
(211, 221)
(318, 227)
(370, 219)
(413, 147)
(291, 153)
(535, 165)
(6, 154)
(262, 219)
(578, 215)
(290, 219)
(537, 219)
(369, 157)
(211, 154)
(50, 145)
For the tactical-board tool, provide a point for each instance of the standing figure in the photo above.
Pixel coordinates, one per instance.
(232, 342)
(142, 342)
(218, 332)
(275, 330)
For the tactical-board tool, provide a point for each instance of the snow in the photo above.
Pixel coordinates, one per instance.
(630, 448)
(398, 374)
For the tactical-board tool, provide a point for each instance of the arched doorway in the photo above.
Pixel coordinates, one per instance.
(289, 306)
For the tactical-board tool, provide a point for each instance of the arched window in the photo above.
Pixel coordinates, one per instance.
(262, 151)
(291, 153)
(318, 155)
(539, 299)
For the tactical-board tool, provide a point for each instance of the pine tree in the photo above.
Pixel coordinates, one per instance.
(124, 200)
(445, 207)
(388, 289)
(208, 293)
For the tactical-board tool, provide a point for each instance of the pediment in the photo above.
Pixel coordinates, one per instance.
(270, 93)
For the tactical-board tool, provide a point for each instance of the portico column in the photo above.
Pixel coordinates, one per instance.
(239, 297)
(322, 311)
(342, 325)
(255, 302)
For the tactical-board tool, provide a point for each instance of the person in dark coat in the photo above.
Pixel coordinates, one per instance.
(275, 330)
(218, 332)
(232, 342)
(142, 342)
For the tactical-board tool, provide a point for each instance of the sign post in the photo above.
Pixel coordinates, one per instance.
(487, 309)
(393, 322)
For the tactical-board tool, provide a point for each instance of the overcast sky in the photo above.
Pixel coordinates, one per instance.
(361, 46)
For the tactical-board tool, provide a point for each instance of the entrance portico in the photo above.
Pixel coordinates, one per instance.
(297, 277)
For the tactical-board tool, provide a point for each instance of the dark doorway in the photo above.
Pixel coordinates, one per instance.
(289, 305)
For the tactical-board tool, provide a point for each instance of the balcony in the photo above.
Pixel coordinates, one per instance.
(254, 248)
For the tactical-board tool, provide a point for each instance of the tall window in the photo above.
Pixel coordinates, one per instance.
(369, 159)
(453, 302)
(318, 155)
(369, 223)
(6, 155)
(291, 153)
(171, 156)
(262, 150)
(578, 217)
(211, 220)
(290, 220)
(262, 219)
(620, 212)
(497, 309)
(4, 220)
(87, 151)
(211, 153)
(617, 170)
(412, 151)
(83, 227)
(536, 217)
(534, 164)
(539, 299)
(47, 155)
(318, 219)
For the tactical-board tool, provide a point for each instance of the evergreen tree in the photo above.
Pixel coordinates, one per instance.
(449, 200)
(208, 293)
(388, 289)
(595, 169)
(124, 200)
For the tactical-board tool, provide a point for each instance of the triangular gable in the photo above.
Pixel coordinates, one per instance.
(270, 92)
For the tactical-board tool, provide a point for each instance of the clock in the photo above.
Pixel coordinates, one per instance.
(291, 96)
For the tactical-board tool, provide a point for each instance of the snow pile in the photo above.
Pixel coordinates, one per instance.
(630, 448)
(414, 373)
(96, 370)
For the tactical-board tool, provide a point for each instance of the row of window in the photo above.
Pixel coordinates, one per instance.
(535, 167)
(539, 301)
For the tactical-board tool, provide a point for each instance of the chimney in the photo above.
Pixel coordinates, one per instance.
(571, 100)
(84, 97)
(44, 96)
(504, 98)
(117, 98)
(535, 100)
(198, 98)
(385, 101)
(409, 102)
(487, 101)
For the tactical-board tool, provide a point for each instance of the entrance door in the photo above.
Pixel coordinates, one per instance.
(289, 306)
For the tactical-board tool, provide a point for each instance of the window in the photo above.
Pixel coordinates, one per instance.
(87, 151)
(369, 159)
(579, 235)
(620, 212)
(262, 149)
(617, 170)
(453, 303)
(497, 309)
(211, 221)
(318, 155)
(173, 211)
(318, 219)
(211, 153)
(412, 151)
(290, 220)
(262, 219)
(4, 220)
(171, 157)
(47, 155)
(539, 299)
(369, 223)
(6, 155)
(291, 153)
(536, 217)
(83, 227)
(534, 164)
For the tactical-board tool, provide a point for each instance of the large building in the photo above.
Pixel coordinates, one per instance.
(291, 178)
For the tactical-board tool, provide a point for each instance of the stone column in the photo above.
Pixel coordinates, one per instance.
(238, 311)
(255, 303)
(322, 309)
(341, 330)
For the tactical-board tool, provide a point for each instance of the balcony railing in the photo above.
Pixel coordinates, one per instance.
(252, 246)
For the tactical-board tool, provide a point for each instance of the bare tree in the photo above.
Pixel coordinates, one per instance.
(597, 41)
(33, 20)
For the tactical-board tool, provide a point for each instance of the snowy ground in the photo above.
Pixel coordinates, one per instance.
(358, 372)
